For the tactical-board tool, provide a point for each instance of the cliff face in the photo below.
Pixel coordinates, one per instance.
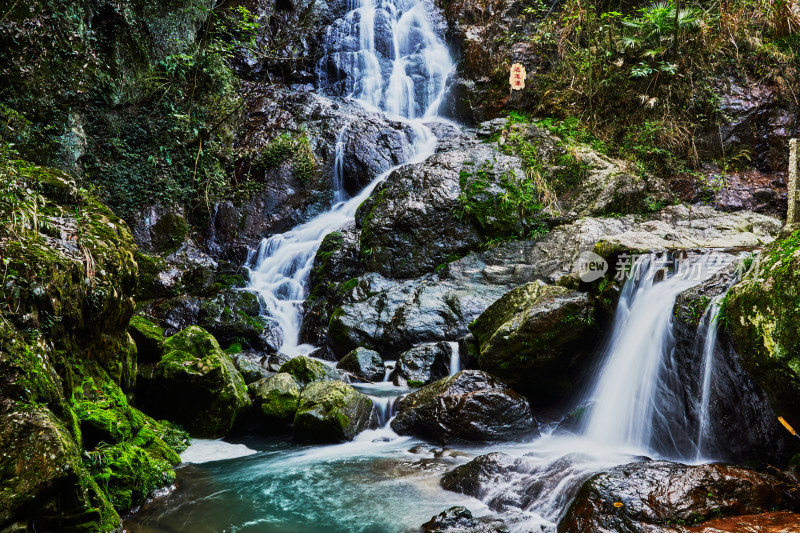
(75, 452)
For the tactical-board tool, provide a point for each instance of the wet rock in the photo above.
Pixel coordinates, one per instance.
(757, 124)
(196, 385)
(158, 229)
(275, 361)
(741, 427)
(250, 365)
(771, 522)
(235, 316)
(332, 411)
(459, 519)
(748, 190)
(277, 397)
(533, 337)
(149, 339)
(363, 363)
(681, 227)
(471, 405)
(423, 364)
(305, 370)
(640, 496)
(762, 317)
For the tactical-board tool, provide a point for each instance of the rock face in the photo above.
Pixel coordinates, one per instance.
(533, 337)
(332, 411)
(470, 405)
(424, 364)
(655, 493)
(762, 317)
(196, 385)
(67, 362)
(460, 520)
(741, 427)
(363, 363)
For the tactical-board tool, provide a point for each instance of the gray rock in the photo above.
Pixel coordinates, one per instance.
(363, 363)
(459, 519)
(332, 411)
(276, 397)
(423, 364)
(471, 405)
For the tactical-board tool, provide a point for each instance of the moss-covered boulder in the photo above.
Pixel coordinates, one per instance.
(471, 405)
(149, 339)
(332, 411)
(196, 385)
(762, 313)
(363, 363)
(276, 397)
(235, 316)
(533, 338)
(74, 452)
(305, 370)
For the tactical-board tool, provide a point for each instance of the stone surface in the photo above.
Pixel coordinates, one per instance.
(423, 364)
(533, 337)
(658, 492)
(459, 519)
(332, 411)
(277, 396)
(363, 363)
(471, 405)
(197, 385)
(305, 370)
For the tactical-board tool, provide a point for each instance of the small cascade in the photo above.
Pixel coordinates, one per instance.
(455, 358)
(389, 366)
(339, 193)
(632, 395)
(384, 407)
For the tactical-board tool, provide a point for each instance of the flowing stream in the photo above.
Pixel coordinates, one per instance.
(386, 55)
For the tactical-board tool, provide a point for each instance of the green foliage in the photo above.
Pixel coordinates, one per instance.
(645, 81)
(285, 147)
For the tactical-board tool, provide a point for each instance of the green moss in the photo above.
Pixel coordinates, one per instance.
(307, 370)
(415, 384)
(234, 348)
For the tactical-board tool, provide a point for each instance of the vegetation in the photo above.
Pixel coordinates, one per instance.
(643, 82)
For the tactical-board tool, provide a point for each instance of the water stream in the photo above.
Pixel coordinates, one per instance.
(385, 54)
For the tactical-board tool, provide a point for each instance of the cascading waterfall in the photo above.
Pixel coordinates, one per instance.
(388, 57)
(455, 358)
(631, 396)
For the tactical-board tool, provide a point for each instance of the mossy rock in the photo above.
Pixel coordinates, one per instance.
(762, 313)
(332, 411)
(277, 396)
(531, 337)
(305, 370)
(196, 385)
(149, 339)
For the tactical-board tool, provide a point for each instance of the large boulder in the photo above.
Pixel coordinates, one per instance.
(196, 385)
(762, 314)
(645, 496)
(424, 364)
(235, 316)
(277, 396)
(534, 338)
(363, 363)
(332, 411)
(471, 405)
(149, 339)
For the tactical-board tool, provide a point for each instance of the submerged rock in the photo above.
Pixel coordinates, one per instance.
(471, 405)
(364, 363)
(196, 385)
(534, 336)
(332, 411)
(459, 519)
(645, 496)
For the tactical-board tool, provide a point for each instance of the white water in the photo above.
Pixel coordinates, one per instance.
(406, 83)
(624, 396)
(455, 358)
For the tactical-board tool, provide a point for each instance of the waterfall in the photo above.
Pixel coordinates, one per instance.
(633, 394)
(455, 358)
(710, 326)
(388, 58)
